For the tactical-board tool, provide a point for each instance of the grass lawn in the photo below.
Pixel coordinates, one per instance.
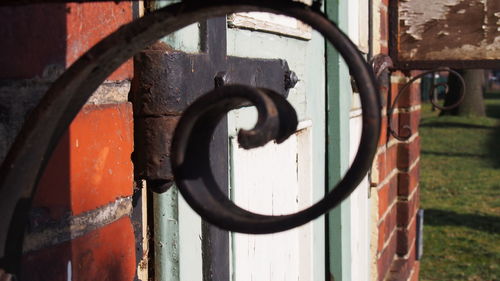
(460, 192)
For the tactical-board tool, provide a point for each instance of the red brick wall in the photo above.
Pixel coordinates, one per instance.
(397, 164)
(80, 223)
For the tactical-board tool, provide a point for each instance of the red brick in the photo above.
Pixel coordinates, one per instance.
(409, 120)
(395, 86)
(410, 97)
(416, 271)
(386, 227)
(383, 132)
(392, 153)
(91, 166)
(387, 195)
(384, 49)
(408, 209)
(104, 254)
(403, 267)
(36, 37)
(384, 26)
(394, 124)
(406, 238)
(386, 258)
(387, 162)
(88, 23)
(408, 181)
(101, 146)
(53, 191)
(382, 173)
(408, 153)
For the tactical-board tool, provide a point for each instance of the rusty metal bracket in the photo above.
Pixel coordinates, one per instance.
(432, 95)
(28, 156)
(382, 65)
(166, 81)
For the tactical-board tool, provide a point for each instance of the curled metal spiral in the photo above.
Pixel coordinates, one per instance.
(433, 96)
(277, 119)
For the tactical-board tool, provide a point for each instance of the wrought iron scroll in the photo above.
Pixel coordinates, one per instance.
(381, 63)
(433, 97)
(28, 156)
(190, 146)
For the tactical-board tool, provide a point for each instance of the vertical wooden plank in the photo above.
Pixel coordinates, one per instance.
(307, 59)
(178, 251)
(338, 105)
(364, 25)
(359, 201)
(308, 253)
(258, 186)
(166, 206)
(315, 82)
(215, 241)
(190, 256)
(360, 206)
(166, 235)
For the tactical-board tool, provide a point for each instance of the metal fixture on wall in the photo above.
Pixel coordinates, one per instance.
(382, 65)
(159, 94)
(433, 97)
(276, 121)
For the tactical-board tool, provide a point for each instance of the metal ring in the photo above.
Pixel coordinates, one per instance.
(68, 94)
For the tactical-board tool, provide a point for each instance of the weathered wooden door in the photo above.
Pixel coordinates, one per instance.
(285, 178)
(275, 179)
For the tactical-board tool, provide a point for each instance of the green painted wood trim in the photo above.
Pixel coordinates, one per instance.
(166, 235)
(186, 39)
(338, 95)
(167, 206)
(166, 210)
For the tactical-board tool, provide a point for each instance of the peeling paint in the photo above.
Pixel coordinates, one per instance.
(416, 13)
(449, 30)
(473, 52)
(110, 93)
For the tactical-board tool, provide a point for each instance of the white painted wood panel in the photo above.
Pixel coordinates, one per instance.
(358, 23)
(360, 211)
(306, 59)
(359, 200)
(190, 259)
(272, 23)
(273, 180)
